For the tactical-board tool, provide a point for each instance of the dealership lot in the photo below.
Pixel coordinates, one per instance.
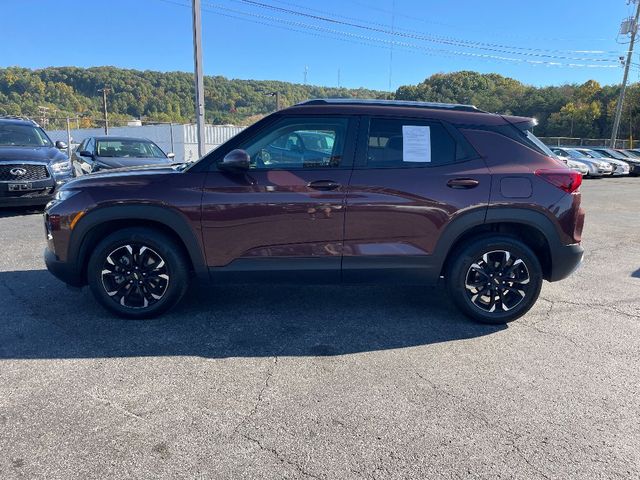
(326, 382)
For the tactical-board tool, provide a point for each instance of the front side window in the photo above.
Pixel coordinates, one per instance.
(299, 143)
(15, 135)
(406, 143)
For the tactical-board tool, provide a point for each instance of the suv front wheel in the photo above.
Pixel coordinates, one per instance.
(494, 279)
(138, 273)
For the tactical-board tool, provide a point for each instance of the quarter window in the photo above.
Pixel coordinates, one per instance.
(407, 143)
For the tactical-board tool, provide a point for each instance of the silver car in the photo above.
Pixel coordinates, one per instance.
(597, 167)
(621, 167)
(577, 166)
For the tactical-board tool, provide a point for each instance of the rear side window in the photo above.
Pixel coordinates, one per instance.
(410, 143)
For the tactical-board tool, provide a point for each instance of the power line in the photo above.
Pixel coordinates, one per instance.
(304, 28)
(428, 38)
(457, 27)
(410, 45)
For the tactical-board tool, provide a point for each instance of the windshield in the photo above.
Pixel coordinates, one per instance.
(573, 153)
(529, 134)
(592, 153)
(129, 149)
(614, 154)
(23, 136)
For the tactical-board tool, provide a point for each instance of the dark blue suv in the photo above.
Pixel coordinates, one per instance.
(31, 165)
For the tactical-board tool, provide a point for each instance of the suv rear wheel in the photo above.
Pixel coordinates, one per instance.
(494, 279)
(138, 273)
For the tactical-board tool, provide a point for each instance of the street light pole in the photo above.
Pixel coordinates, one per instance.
(616, 122)
(199, 79)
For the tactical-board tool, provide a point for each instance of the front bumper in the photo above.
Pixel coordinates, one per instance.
(64, 271)
(634, 169)
(39, 192)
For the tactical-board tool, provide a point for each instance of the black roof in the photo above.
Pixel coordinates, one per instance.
(392, 103)
(17, 120)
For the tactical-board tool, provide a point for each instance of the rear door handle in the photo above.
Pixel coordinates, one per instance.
(324, 185)
(462, 183)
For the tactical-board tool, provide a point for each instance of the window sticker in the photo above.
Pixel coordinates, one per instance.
(416, 144)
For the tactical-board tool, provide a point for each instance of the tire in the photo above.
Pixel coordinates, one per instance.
(475, 278)
(143, 255)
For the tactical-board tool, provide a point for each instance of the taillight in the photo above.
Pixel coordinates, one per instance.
(564, 179)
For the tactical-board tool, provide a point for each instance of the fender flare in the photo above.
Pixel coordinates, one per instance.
(493, 215)
(166, 216)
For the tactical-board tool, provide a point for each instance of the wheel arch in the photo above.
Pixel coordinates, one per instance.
(95, 225)
(532, 228)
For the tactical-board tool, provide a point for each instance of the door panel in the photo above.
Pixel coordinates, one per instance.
(404, 211)
(273, 214)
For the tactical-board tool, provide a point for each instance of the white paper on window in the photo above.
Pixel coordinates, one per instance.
(416, 143)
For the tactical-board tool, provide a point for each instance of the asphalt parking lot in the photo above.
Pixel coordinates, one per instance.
(326, 382)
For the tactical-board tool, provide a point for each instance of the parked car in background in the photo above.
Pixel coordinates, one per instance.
(104, 153)
(597, 168)
(432, 191)
(31, 165)
(620, 167)
(577, 166)
(633, 159)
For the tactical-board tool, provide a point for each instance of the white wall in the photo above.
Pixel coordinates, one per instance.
(179, 139)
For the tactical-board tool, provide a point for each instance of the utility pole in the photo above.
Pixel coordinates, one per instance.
(393, 25)
(69, 138)
(104, 91)
(277, 95)
(306, 71)
(634, 31)
(199, 79)
(338, 78)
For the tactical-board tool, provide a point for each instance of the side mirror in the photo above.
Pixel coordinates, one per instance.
(171, 155)
(85, 153)
(236, 160)
(60, 145)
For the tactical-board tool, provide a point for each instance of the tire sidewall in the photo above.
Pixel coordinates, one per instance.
(159, 242)
(473, 250)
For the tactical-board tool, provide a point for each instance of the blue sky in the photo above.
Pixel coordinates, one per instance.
(244, 40)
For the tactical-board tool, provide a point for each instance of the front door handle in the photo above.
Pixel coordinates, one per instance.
(463, 183)
(323, 185)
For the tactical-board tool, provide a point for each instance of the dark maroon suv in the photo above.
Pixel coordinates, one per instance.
(332, 191)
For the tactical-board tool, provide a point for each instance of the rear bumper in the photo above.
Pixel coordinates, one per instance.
(65, 271)
(565, 260)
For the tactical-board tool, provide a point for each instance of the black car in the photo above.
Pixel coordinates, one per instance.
(31, 166)
(107, 152)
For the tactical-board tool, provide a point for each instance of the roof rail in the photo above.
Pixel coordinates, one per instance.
(18, 117)
(392, 103)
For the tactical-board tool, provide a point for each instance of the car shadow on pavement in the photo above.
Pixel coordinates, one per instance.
(40, 318)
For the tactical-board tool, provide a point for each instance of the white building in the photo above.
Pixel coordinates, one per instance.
(179, 139)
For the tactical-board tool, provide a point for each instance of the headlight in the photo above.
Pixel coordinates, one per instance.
(64, 194)
(61, 168)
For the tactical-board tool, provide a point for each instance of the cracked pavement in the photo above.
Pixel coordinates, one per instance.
(275, 382)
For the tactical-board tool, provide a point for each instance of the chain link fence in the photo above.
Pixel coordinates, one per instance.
(586, 142)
